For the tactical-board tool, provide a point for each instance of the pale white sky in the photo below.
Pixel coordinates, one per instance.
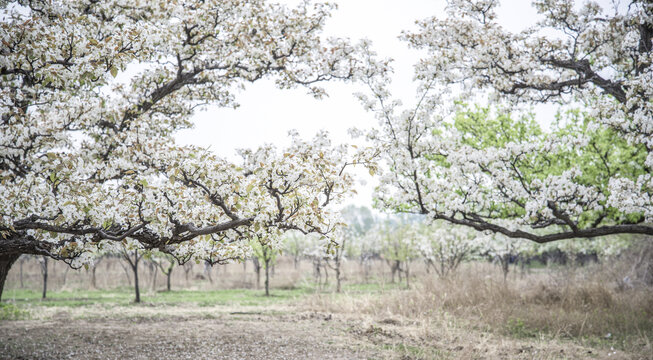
(266, 113)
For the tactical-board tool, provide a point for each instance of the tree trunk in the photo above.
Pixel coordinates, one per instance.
(93, 277)
(137, 290)
(156, 271)
(338, 277)
(44, 269)
(407, 274)
(65, 275)
(267, 277)
(169, 275)
(187, 268)
(22, 285)
(398, 267)
(257, 270)
(5, 265)
(505, 266)
(207, 270)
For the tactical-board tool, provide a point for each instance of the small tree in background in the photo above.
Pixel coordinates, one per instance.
(133, 256)
(398, 249)
(444, 247)
(166, 263)
(266, 255)
(295, 244)
(336, 255)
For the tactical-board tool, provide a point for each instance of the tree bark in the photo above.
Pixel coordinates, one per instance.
(338, 277)
(156, 271)
(93, 277)
(135, 268)
(505, 266)
(22, 285)
(44, 269)
(257, 270)
(267, 277)
(65, 275)
(6, 261)
(407, 265)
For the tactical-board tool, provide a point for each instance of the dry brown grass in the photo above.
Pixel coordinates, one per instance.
(583, 306)
(563, 312)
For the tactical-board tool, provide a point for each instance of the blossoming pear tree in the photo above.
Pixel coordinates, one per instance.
(443, 247)
(91, 94)
(494, 168)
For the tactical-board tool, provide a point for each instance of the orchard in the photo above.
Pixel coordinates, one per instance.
(511, 213)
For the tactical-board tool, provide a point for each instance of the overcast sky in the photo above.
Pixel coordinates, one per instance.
(267, 114)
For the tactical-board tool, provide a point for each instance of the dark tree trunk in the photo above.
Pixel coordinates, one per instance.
(135, 268)
(267, 277)
(136, 288)
(133, 263)
(44, 271)
(505, 266)
(93, 277)
(6, 261)
(156, 271)
(257, 270)
(167, 271)
(22, 285)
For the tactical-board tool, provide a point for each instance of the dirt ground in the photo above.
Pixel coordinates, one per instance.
(232, 336)
(257, 333)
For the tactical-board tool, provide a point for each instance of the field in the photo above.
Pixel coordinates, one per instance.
(538, 313)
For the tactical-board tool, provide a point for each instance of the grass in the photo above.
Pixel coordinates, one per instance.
(582, 306)
(125, 297)
(13, 312)
(578, 310)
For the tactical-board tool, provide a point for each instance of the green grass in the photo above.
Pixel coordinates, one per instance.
(125, 297)
(12, 312)
(416, 352)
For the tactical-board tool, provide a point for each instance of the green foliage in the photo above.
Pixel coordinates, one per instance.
(399, 244)
(264, 251)
(12, 312)
(481, 129)
(599, 153)
(517, 328)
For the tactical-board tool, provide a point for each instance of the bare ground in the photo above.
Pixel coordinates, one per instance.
(178, 332)
(237, 336)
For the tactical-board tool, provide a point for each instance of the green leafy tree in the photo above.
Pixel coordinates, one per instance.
(266, 254)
